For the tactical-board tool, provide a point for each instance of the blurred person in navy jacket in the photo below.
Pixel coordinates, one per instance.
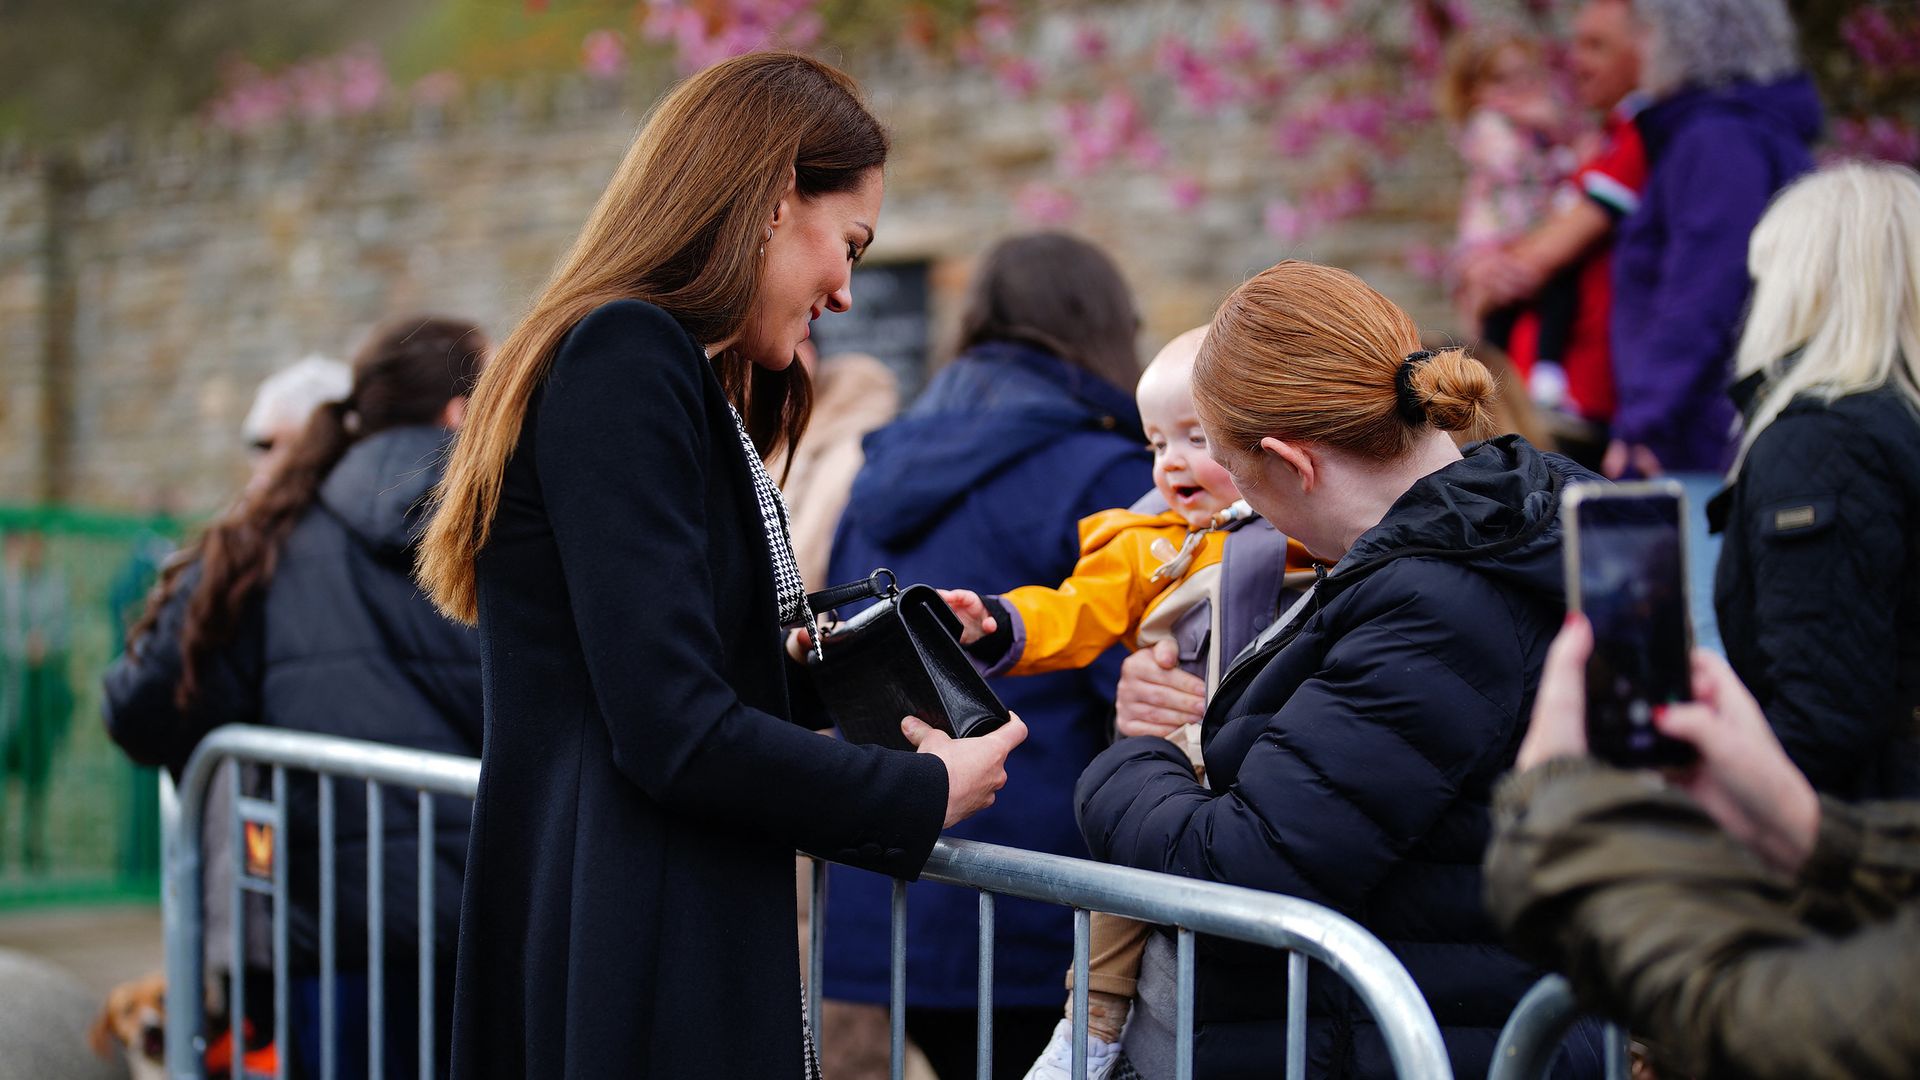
(981, 485)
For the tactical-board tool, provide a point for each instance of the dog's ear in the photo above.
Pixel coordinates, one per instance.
(100, 1036)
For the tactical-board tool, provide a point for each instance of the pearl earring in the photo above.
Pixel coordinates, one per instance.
(763, 241)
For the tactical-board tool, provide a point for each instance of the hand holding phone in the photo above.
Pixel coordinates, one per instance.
(1626, 572)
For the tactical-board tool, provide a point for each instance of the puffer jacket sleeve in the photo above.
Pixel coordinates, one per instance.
(1350, 774)
(138, 695)
(1069, 626)
(1865, 864)
(1664, 922)
(1827, 559)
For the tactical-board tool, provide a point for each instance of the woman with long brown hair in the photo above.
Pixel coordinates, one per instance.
(608, 521)
(1352, 749)
(297, 609)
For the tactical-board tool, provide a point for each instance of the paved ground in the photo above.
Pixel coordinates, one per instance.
(104, 946)
(99, 946)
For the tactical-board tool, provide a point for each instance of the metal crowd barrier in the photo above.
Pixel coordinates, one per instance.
(1305, 930)
(1539, 1024)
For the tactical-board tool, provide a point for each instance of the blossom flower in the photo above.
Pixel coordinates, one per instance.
(1186, 192)
(1043, 204)
(1284, 222)
(603, 55)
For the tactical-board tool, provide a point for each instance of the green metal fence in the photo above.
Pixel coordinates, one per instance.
(78, 821)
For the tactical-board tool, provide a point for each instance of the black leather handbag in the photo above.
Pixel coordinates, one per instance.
(900, 657)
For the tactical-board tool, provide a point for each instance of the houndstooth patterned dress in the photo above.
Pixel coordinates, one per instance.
(791, 593)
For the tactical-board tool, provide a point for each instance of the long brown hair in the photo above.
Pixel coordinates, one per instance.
(1058, 293)
(1310, 353)
(679, 226)
(404, 375)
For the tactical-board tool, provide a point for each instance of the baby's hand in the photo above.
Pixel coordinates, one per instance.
(967, 606)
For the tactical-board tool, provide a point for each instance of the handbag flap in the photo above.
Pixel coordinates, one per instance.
(901, 657)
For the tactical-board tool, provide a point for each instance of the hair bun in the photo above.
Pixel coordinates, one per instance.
(1456, 391)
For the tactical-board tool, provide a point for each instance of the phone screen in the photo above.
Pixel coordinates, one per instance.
(1631, 570)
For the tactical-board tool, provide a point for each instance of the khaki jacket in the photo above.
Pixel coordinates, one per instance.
(1663, 921)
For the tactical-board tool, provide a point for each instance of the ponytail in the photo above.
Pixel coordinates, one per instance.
(405, 374)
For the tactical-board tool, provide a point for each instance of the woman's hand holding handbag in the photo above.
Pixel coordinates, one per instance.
(894, 675)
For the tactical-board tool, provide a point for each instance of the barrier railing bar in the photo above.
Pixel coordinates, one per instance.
(1242, 914)
(1082, 935)
(425, 924)
(983, 1042)
(1296, 1016)
(1619, 1060)
(282, 916)
(897, 985)
(236, 971)
(1183, 996)
(256, 811)
(1231, 911)
(329, 1018)
(1532, 1036)
(376, 933)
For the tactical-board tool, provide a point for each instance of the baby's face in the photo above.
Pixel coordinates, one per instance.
(1184, 473)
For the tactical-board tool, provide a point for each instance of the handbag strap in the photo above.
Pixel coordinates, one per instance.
(867, 588)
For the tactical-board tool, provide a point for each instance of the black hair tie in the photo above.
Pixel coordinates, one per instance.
(1405, 398)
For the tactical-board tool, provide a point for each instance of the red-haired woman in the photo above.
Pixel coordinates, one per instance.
(1352, 750)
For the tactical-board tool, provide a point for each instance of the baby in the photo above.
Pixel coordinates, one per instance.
(1143, 577)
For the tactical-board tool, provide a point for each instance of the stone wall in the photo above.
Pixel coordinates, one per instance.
(142, 299)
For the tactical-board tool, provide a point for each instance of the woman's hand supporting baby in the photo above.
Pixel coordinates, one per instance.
(1155, 696)
(976, 768)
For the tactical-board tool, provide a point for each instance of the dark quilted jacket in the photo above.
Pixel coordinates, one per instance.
(1818, 589)
(343, 643)
(1352, 763)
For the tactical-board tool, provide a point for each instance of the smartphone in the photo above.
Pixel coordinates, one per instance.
(1626, 552)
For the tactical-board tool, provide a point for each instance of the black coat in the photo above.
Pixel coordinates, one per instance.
(1351, 762)
(630, 896)
(1818, 589)
(341, 643)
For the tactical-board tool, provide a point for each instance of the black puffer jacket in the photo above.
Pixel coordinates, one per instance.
(1818, 589)
(1352, 761)
(343, 643)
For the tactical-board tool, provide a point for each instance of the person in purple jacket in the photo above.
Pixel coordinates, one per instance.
(1730, 124)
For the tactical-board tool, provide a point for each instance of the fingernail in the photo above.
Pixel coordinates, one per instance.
(1571, 616)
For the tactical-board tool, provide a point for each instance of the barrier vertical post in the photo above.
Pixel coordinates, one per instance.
(236, 972)
(983, 1042)
(897, 988)
(282, 915)
(1296, 1016)
(329, 1007)
(1183, 992)
(428, 946)
(376, 934)
(1081, 933)
(816, 939)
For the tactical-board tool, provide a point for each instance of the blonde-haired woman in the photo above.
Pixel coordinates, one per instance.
(648, 767)
(1818, 589)
(1352, 750)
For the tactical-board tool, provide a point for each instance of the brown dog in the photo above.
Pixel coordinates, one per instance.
(136, 1018)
